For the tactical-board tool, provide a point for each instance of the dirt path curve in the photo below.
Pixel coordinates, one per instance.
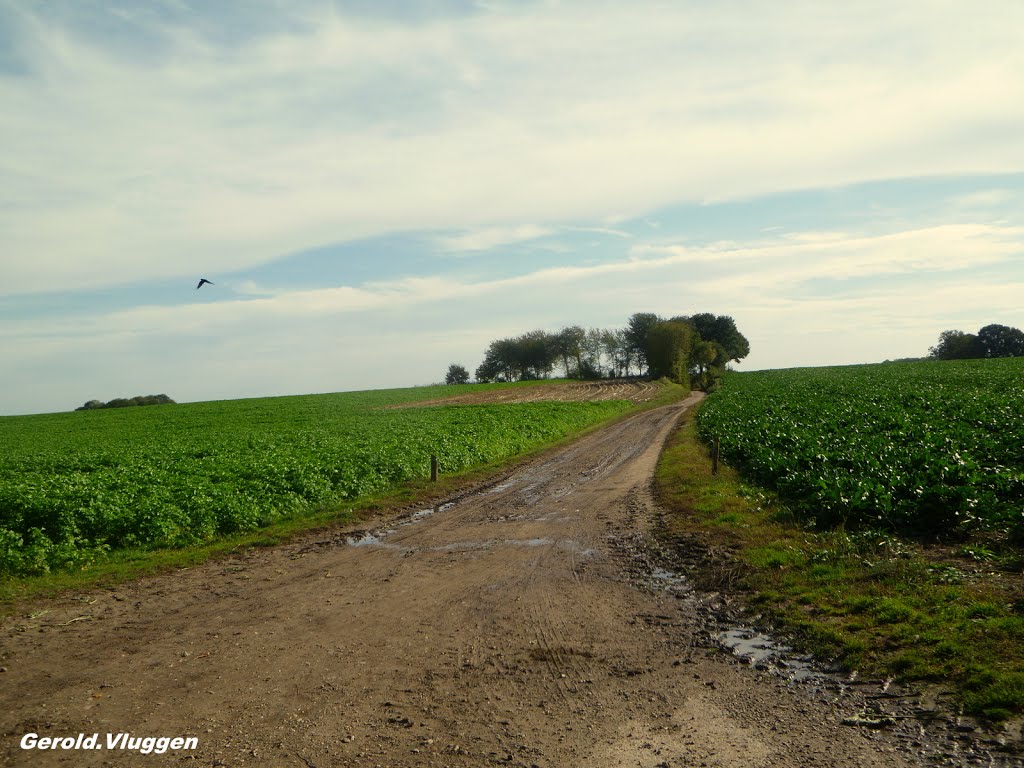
(509, 628)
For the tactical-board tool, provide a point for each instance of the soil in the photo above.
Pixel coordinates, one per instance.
(526, 622)
(635, 390)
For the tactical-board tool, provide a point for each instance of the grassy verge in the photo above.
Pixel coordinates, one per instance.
(126, 564)
(869, 601)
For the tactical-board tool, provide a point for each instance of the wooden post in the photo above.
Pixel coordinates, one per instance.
(714, 456)
(433, 468)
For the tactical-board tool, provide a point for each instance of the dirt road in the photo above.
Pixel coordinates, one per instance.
(514, 627)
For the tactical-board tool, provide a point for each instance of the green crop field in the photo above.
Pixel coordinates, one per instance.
(932, 448)
(76, 485)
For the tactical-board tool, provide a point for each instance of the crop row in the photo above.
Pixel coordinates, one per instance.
(73, 486)
(932, 448)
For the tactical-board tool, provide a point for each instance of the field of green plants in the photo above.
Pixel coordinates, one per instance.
(930, 449)
(76, 485)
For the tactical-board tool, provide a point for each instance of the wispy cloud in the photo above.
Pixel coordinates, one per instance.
(491, 237)
(838, 255)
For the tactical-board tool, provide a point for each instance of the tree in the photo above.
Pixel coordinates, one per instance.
(637, 328)
(127, 402)
(956, 345)
(616, 350)
(457, 374)
(499, 362)
(1000, 341)
(668, 349)
(703, 355)
(535, 355)
(593, 347)
(720, 330)
(568, 344)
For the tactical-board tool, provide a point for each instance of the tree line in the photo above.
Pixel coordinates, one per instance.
(126, 402)
(685, 349)
(993, 340)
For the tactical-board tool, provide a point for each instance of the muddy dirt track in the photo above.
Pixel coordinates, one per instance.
(513, 627)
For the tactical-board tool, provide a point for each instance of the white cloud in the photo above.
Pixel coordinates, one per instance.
(838, 255)
(491, 237)
(983, 200)
(213, 158)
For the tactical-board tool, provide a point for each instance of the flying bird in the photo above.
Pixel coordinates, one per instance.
(201, 281)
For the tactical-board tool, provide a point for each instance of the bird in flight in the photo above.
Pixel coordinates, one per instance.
(201, 281)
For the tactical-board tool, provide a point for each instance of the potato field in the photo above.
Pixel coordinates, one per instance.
(75, 485)
(929, 448)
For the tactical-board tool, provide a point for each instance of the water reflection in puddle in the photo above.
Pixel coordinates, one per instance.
(370, 540)
(764, 652)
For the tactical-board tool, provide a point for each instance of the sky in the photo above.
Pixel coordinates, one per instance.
(380, 188)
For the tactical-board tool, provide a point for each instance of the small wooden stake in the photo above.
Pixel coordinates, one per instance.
(714, 456)
(433, 468)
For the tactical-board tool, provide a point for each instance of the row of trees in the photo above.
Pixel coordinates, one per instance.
(678, 347)
(991, 341)
(126, 402)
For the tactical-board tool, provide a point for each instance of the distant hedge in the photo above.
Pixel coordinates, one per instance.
(126, 402)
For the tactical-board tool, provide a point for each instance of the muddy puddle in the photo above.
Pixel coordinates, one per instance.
(764, 652)
(750, 646)
(377, 538)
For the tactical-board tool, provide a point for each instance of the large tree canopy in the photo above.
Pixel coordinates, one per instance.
(720, 330)
(636, 334)
(993, 340)
(668, 347)
(1001, 341)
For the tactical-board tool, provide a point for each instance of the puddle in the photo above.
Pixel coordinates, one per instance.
(366, 540)
(665, 579)
(764, 652)
(376, 538)
(370, 540)
(757, 649)
(415, 517)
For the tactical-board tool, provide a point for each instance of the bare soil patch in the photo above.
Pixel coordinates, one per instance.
(635, 390)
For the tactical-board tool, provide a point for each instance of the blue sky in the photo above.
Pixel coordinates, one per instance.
(378, 189)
